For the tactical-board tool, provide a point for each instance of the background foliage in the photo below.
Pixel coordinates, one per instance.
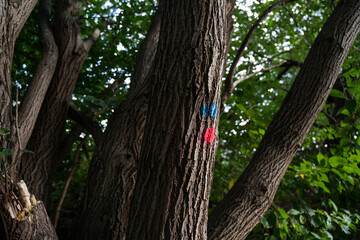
(318, 197)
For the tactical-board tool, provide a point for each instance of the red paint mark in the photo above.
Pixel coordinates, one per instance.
(209, 135)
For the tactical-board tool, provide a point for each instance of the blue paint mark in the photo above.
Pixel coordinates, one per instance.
(213, 110)
(204, 110)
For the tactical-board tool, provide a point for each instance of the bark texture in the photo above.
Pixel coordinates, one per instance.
(45, 142)
(250, 197)
(175, 166)
(115, 161)
(112, 172)
(36, 226)
(36, 91)
(13, 15)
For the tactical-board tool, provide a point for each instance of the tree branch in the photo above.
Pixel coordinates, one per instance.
(91, 40)
(86, 122)
(260, 71)
(21, 10)
(31, 104)
(287, 67)
(229, 79)
(147, 52)
(68, 180)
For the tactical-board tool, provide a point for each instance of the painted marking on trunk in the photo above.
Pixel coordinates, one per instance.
(209, 135)
(204, 110)
(213, 110)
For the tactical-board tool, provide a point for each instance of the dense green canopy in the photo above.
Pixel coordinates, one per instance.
(318, 197)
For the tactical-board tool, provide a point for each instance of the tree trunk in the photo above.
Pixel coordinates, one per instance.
(36, 225)
(13, 15)
(45, 142)
(177, 154)
(114, 163)
(250, 197)
(106, 208)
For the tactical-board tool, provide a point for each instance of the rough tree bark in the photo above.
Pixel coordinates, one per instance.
(36, 224)
(115, 160)
(176, 161)
(13, 15)
(112, 173)
(250, 197)
(37, 170)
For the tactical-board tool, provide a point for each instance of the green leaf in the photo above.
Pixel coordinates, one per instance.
(231, 183)
(315, 235)
(337, 94)
(319, 157)
(316, 221)
(328, 235)
(282, 212)
(293, 212)
(333, 205)
(324, 177)
(27, 151)
(322, 186)
(302, 219)
(354, 158)
(337, 160)
(264, 222)
(341, 175)
(250, 113)
(240, 107)
(285, 226)
(5, 152)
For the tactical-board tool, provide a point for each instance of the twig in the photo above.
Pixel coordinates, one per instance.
(268, 59)
(17, 117)
(17, 152)
(229, 79)
(260, 71)
(67, 183)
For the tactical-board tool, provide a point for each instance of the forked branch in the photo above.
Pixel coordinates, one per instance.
(229, 79)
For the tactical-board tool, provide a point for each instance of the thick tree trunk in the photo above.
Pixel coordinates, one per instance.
(45, 142)
(36, 225)
(106, 208)
(250, 197)
(177, 154)
(13, 15)
(114, 163)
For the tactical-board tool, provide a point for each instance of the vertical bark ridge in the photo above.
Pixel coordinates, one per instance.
(175, 167)
(250, 197)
